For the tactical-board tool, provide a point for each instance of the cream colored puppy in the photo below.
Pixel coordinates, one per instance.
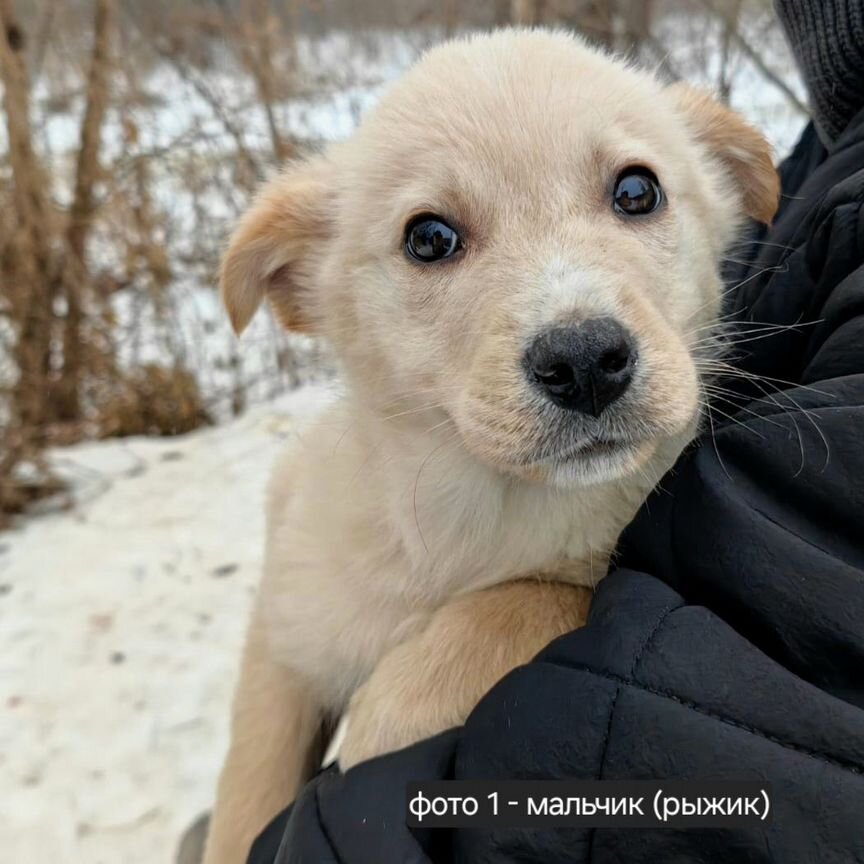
(515, 259)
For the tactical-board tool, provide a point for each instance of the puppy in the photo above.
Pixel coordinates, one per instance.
(515, 259)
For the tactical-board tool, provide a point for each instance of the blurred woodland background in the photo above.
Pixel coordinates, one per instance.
(133, 134)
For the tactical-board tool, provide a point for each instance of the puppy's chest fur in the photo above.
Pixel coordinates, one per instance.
(370, 531)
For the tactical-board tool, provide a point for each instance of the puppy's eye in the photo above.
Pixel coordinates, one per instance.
(429, 238)
(637, 192)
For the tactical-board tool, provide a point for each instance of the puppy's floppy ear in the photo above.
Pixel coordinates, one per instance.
(272, 249)
(743, 152)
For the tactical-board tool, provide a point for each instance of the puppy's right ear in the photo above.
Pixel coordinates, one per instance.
(272, 250)
(743, 152)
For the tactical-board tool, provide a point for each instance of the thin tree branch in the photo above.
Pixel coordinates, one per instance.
(756, 59)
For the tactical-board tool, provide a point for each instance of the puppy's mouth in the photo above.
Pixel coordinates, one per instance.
(596, 459)
(596, 447)
(596, 452)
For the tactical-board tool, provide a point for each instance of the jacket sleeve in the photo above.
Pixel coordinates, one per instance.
(651, 688)
(762, 522)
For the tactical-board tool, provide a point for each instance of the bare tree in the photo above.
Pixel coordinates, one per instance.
(526, 12)
(81, 212)
(30, 256)
(27, 275)
(260, 35)
(733, 32)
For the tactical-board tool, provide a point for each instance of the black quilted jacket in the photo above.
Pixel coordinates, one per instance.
(729, 641)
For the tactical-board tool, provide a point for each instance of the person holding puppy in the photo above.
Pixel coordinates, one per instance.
(728, 640)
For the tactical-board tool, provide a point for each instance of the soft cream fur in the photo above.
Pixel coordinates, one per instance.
(432, 530)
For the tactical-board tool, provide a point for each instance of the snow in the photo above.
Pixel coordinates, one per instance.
(120, 627)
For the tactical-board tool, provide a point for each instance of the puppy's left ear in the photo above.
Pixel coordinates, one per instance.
(742, 151)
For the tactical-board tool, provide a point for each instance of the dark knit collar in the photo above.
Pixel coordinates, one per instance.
(827, 38)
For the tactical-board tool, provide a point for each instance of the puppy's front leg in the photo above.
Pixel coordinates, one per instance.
(276, 745)
(433, 680)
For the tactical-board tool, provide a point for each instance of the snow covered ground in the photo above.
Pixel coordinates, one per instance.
(120, 627)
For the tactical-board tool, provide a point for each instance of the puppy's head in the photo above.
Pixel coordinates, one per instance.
(521, 242)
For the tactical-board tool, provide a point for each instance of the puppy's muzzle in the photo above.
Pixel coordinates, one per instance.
(583, 368)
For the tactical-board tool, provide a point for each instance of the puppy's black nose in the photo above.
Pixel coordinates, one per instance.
(583, 368)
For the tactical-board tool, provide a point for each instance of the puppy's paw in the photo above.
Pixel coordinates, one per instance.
(404, 701)
(378, 723)
(432, 681)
